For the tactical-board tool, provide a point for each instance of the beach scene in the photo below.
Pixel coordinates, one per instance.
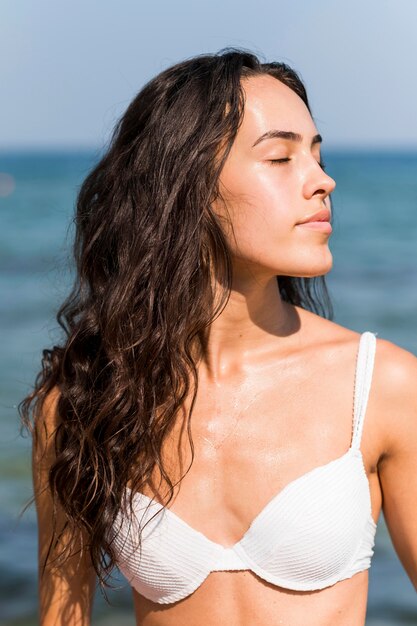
(70, 74)
(373, 286)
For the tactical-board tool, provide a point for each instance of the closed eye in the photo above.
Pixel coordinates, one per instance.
(278, 161)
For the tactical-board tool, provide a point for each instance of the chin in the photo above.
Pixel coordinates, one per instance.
(324, 265)
(311, 265)
(320, 271)
(316, 269)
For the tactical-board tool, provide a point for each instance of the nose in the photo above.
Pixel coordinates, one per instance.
(318, 183)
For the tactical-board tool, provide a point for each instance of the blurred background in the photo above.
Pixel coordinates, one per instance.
(69, 70)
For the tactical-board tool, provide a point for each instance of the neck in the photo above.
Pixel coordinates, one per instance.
(254, 322)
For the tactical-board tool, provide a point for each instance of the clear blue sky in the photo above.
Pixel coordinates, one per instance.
(69, 69)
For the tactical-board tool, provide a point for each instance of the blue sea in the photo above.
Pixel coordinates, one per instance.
(373, 285)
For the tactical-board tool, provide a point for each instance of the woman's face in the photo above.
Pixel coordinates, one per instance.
(266, 200)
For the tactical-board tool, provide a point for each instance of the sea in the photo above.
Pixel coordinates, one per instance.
(372, 284)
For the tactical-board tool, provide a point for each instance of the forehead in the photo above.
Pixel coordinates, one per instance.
(269, 104)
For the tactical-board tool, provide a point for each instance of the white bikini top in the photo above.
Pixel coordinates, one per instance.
(316, 531)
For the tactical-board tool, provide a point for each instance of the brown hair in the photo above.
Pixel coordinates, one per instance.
(146, 242)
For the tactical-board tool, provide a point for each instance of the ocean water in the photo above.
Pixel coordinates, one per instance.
(373, 285)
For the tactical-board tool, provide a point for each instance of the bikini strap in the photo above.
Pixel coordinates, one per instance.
(363, 377)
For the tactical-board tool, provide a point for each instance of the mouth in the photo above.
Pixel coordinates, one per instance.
(323, 215)
(318, 221)
(324, 227)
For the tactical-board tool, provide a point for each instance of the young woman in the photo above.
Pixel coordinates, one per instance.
(205, 425)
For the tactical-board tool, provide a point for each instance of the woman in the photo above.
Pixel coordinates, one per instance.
(203, 423)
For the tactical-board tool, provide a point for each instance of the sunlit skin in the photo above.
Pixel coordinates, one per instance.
(275, 391)
(265, 198)
(276, 385)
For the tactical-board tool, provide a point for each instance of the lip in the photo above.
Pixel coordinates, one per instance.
(323, 215)
(324, 227)
(318, 221)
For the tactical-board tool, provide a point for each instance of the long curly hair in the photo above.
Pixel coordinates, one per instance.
(147, 244)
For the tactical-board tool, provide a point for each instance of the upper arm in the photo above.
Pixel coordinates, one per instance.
(398, 466)
(66, 591)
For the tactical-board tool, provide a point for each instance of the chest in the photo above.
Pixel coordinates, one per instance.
(253, 441)
(283, 492)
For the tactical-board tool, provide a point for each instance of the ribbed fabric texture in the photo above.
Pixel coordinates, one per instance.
(316, 531)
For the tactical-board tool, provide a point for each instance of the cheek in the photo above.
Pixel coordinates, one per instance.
(260, 234)
(259, 208)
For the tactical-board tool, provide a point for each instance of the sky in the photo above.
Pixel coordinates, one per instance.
(69, 69)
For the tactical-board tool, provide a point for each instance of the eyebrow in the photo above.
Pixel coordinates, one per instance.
(285, 134)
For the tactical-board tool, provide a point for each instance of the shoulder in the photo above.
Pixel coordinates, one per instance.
(47, 408)
(393, 394)
(397, 366)
(395, 390)
(46, 422)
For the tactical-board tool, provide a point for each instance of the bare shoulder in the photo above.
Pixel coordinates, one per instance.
(395, 368)
(46, 421)
(48, 407)
(395, 387)
(393, 396)
(391, 430)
